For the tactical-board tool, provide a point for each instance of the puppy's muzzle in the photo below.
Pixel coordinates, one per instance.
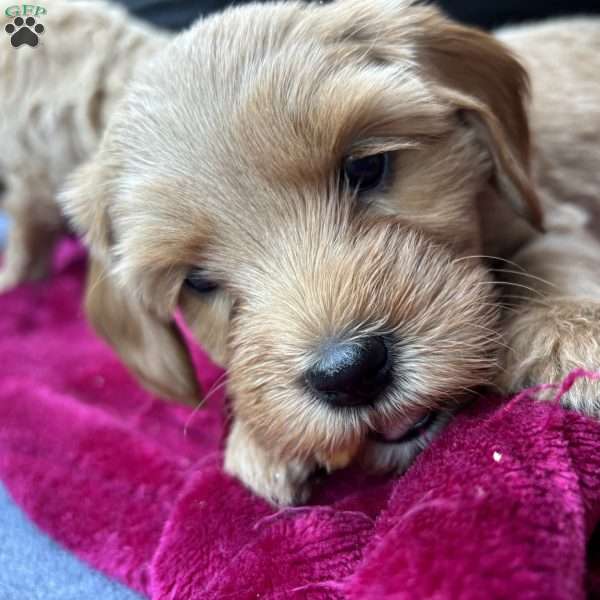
(351, 373)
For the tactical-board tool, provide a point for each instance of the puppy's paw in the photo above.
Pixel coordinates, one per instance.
(546, 342)
(281, 483)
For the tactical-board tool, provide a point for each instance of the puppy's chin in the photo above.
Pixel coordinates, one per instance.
(379, 455)
(391, 448)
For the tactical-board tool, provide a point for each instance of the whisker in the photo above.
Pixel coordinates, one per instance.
(499, 258)
(527, 274)
(218, 385)
(98, 281)
(510, 284)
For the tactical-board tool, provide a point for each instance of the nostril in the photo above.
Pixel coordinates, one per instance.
(350, 373)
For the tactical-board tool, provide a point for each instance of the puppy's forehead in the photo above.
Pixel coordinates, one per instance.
(269, 91)
(259, 103)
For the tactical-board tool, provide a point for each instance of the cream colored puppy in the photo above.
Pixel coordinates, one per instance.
(347, 206)
(55, 98)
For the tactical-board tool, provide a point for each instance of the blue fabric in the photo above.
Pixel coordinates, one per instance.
(3, 229)
(33, 567)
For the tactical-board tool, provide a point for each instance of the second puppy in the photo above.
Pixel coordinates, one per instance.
(55, 99)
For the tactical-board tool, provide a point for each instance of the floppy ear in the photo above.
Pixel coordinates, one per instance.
(153, 349)
(489, 88)
(149, 344)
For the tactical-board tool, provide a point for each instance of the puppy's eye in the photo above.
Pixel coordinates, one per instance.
(198, 281)
(366, 172)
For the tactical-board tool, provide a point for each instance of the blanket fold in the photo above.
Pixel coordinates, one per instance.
(504, 504)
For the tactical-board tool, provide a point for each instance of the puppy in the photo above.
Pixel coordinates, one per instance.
(345, 203)
(54, 101)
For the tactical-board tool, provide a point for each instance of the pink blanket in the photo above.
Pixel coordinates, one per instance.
(503, 505)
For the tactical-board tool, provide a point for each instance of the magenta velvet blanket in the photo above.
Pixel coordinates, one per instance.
(503, 505)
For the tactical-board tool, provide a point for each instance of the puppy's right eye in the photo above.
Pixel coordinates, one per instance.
(199, 283)
(365, 173)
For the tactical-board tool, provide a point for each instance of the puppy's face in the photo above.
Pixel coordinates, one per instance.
(306, 183)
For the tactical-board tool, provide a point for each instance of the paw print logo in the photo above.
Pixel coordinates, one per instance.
(24, 31)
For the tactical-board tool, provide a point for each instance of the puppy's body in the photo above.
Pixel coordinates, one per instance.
(225, 189)
(55, 99)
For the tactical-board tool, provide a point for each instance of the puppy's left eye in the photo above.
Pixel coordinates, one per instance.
(198, 281)
(366, 172)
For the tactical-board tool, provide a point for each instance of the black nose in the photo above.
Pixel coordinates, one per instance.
(351, 373)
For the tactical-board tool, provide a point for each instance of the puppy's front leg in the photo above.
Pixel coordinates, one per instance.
(36, 224)
(27, 255)
(280, 482)
(556, 326)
